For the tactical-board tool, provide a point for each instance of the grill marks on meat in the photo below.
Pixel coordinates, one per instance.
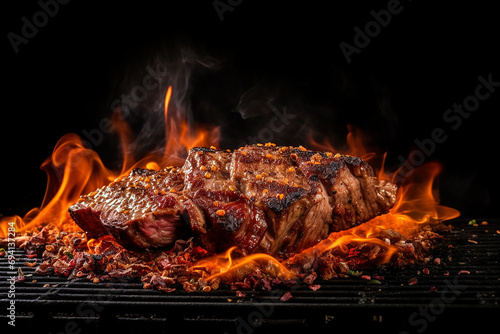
(231, 218)
(355, 194)
(296, 207)
(141, 210)
(277, 200)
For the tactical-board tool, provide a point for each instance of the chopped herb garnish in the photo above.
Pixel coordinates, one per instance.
(354, 273)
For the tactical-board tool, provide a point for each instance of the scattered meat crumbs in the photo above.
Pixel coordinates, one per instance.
(286, 296)
(68, 254)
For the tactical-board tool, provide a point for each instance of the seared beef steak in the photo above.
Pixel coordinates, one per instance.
(306, 194)
(141, 210)
(296, 207)
(261, 198)
(231, 218)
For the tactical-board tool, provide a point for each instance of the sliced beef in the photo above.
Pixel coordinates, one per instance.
(296, 207)
(145, 209)
(231, 218)
(261, 198)
(355, 193)
(280, 200)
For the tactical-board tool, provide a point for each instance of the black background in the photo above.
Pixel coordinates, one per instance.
(427, 58)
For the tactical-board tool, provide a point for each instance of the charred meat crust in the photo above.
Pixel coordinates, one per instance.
(141, 210)
(231, 218)
(277, 200)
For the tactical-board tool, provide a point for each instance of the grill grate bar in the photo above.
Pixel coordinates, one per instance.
(126, 305)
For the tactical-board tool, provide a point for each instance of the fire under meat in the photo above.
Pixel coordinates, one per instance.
(256, 217)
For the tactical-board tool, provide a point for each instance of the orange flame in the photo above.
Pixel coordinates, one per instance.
(417, 204)
(229, 267)
(100, 245)
(74, 170)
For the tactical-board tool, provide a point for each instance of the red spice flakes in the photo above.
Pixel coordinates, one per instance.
(286, 296)
(310, 278)
(433, 289)
(240, 294)
(464, 272)
(30, 264)
(366, 277)
(437, 261)
(412, 281)
(425, 271)
(446, 273)
(314, 287)
(380, 278)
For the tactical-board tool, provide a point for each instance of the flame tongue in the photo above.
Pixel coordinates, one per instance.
(232, 267)
(74, 170)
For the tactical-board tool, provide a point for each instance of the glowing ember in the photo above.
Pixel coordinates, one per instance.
(402, 236)
(232, 269)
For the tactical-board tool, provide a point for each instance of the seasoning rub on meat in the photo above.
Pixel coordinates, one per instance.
(261, 198)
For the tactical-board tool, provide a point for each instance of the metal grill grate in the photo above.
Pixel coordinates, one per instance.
(436, 301)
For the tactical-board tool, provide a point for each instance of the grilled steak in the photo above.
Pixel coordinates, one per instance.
(306, 195)
(296, 207)
(141, 210)
(261, 198)
(231, 217)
